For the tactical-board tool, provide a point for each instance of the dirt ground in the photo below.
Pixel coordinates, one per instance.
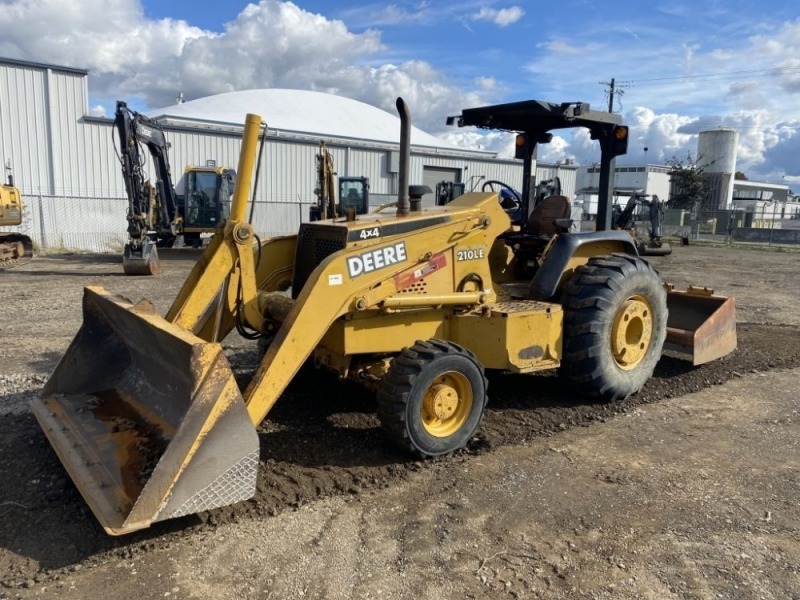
(690, 489)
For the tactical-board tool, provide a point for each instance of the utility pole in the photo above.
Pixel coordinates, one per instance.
(613, 89)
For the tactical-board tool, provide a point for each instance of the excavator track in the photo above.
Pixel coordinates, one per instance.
(15, 249)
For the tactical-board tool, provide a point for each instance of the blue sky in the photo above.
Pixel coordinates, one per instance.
(682, 65)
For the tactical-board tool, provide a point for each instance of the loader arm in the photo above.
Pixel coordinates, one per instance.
(225, 280)
(274, 267)
(311, 316)
(267, 265)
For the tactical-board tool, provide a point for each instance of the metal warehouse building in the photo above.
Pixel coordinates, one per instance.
(65, 162)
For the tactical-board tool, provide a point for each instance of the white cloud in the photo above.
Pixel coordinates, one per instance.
(564, 48)
(275, 43)
(269, 44)
(500, 142)
(107, 36)
(502, 17)
(787, 75)
(558, 150)
(424, 89)
(486, 84)
(664, 135)
(376, 15)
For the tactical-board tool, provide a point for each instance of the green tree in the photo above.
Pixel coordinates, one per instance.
(740, 176)
(688, 186)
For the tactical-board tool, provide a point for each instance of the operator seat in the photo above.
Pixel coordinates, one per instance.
(549, 217)
(209, 192)
(207, 213)
(544, 217)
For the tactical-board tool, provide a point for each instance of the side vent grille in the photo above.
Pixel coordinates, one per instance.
(315, 243)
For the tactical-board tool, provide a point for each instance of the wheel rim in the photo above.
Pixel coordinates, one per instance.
(447, 404)
(632, 332)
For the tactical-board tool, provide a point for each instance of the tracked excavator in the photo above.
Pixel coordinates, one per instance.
(353, 192)
(625, 219)
(157, 214)
(418, 304)
(15, 248)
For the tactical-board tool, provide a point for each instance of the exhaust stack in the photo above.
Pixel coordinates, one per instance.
(403, 201)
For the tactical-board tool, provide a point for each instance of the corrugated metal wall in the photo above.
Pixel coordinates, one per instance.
(289, 172)
(67, 102)
(371, 163)
(23, 126)
(56, 150)
(100, 174)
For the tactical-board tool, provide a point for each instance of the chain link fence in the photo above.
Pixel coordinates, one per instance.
(763, 225)
(58, 223)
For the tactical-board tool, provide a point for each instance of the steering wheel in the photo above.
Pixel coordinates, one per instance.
(509, 204)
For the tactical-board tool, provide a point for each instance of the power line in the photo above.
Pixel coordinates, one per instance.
(713, 76)
(772, 128)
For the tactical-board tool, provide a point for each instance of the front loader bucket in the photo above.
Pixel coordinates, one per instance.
(147, 418)
(701, 324)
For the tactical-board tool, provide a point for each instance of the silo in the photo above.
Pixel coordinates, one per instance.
(716, 155)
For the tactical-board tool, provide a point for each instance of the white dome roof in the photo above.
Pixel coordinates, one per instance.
(301, 111)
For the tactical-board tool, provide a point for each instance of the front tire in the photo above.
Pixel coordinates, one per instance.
(615, 323)
(432, 399)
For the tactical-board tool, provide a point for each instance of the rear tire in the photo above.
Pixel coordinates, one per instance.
(615, 323)
(432, 399)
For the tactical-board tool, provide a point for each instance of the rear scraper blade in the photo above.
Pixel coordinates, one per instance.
(701, 325)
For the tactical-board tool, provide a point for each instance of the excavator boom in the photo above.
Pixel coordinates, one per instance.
(156, 213)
